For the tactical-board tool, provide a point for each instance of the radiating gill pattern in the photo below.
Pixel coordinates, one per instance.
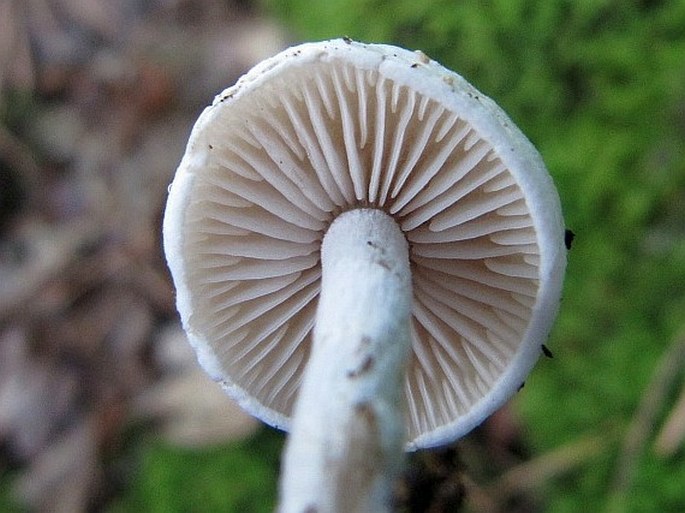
(280, 168)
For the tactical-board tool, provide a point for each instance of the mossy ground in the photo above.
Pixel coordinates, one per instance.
(599, 88)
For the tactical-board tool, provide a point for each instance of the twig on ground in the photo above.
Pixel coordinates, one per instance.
(643, 424)
(672, 434)
(535, 473)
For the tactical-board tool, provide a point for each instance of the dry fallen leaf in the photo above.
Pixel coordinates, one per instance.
(191, 409)
(60, 478)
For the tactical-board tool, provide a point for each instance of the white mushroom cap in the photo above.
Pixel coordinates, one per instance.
(326, 127)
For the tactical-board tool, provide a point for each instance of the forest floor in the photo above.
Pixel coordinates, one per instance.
(97, 99)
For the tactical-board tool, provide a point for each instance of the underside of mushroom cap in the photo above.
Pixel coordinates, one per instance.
(326, 127)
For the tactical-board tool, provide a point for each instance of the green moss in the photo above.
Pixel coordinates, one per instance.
(8, 503)
(236, 478)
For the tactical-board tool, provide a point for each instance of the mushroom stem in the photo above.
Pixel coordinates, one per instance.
(347, 436)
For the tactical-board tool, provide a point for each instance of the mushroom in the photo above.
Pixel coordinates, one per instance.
(367, 253)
